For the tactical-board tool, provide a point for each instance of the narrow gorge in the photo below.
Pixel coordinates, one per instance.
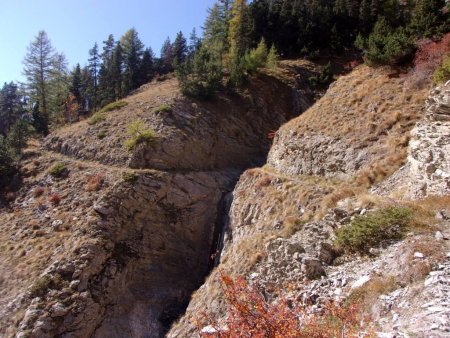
(128, 257)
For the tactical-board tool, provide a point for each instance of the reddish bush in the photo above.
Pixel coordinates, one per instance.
(249, 315)
(54, 199)
(38, 191)
(95, 182)
(430, 53)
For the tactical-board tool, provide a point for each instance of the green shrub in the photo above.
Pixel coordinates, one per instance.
(323, 79)
(58, 170)
(257, 57)
(272, 57)
(385, 45)
(113, 106)
(442, 73)
(368, 231)
(139, 135)
(96, 118)
(201, 75)
(130, 177)
(164, 108)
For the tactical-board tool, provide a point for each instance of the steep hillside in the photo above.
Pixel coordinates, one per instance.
(285, 216)
(230, 131)
(103, 241)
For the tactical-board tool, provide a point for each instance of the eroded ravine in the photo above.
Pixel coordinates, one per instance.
(149, 241)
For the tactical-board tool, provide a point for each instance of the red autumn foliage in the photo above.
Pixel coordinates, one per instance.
(430, 53)
(72, 108)
(249, 315)
(54, 199)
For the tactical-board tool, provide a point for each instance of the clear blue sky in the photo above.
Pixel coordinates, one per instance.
(74, 26)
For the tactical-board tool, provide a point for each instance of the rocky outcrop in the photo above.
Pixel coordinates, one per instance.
(146, 251)
(361, 122)
(429, 163)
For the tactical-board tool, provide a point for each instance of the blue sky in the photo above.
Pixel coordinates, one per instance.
(74, 26)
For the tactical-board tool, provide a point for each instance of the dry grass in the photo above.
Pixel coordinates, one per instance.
(95, 182)
(368, 110)
(425, 211)
(28, 240)
(367, 294)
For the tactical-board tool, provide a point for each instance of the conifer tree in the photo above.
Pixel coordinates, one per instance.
(132, 51)
(179, 49)
(38, 66)
(166, 56)
(428, 18)
(94, 67)
(272, 57)
(106, 86)
(10, 107)
(194, 43)
(58, 88)
(239, 40)
(115, 73)
(147, 69)
(76, 85)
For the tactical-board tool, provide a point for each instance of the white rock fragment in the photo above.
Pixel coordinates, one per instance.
(360, 282)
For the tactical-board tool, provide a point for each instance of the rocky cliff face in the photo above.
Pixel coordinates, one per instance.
(284, 216)
(126, 248)
(429, 147)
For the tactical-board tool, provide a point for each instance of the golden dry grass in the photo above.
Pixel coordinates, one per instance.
(369, 110)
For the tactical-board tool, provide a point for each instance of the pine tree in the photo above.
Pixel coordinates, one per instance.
(365, 16)
(38, 66)
(428, 19)
(166, 56)
(239, 40)
(179, 49)
(385, 45)
(58, 88)
(40, 121)
(88, 91)
(132, 51)
(94, 67)
(105, 82)
(115, 72)
(257, 57)
(194, 43)
(272, 57)
(10, 107)
(76, 84)
(147, 69)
